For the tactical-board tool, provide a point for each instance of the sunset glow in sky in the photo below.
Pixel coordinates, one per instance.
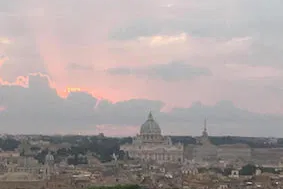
(175, 51)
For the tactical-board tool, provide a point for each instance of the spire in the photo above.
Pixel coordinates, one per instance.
(204, 133)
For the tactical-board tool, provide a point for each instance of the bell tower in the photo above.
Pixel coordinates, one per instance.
(48, 165)
(204, 139)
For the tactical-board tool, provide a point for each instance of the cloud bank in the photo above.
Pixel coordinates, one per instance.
(168, 53)
(38, 109)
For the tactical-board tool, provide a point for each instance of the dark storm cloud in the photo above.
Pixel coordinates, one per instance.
(174, 71)
(38, 109)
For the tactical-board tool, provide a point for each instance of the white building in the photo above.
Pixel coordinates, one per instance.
(151, 145)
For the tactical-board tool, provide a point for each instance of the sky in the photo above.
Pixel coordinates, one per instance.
(91, 66)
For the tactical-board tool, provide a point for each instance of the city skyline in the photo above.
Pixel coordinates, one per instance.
(183, 60)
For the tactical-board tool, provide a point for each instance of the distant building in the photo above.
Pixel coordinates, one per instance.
(205, 150)
(271, 156)
(151, 145)
(233, 152)
(28, 174)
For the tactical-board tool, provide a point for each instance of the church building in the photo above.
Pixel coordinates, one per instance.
(150, 145)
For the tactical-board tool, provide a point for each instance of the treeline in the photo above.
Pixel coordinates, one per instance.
(250, 141)
(247, 170)
(100, 147)
(183, 139)
(103, 147)
(253, 142)
(9, 144)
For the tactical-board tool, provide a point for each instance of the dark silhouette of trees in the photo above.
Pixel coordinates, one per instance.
(77, 160)
(41, 156)
(9, 144)
(183, 139)
(248, 169)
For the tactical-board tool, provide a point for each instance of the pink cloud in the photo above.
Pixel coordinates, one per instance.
(61, 40)
(2, 108)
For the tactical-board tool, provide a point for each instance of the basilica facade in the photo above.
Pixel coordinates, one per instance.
(150, 145)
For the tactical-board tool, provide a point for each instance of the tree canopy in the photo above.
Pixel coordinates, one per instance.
(9, 144)
(248, 169)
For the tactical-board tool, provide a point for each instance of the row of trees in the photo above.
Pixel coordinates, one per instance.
(9, 144)
(246, 170)
(250, 169)
(101, 147)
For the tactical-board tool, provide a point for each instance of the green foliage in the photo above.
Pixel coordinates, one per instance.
(76, 160)
(183, 139)
(224, 140)
(117, 187)
(104, 148)
(125, 140)
(248, 169)
(63, 152)
(202, 170)
(35, 148)
(41, 156)
(227, 171)
(9, 144)
(251, 141)
(100, 146)
(269, 170)
(216, 170)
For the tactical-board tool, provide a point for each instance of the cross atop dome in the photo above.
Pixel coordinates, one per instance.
(204, 133)
(150, 117)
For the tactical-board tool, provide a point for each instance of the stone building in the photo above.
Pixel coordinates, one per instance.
(49, 167)
(232, 152)
(204, 151)
(20, 180)
(27, 174)
(269, 156)
(151, 145)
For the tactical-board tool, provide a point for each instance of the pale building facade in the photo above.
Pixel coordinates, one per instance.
(151, 145)
(205, 150)
(27, 174)
(269, 156)
(234, 152)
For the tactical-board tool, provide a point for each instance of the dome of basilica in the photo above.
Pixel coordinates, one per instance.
(150, 127)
